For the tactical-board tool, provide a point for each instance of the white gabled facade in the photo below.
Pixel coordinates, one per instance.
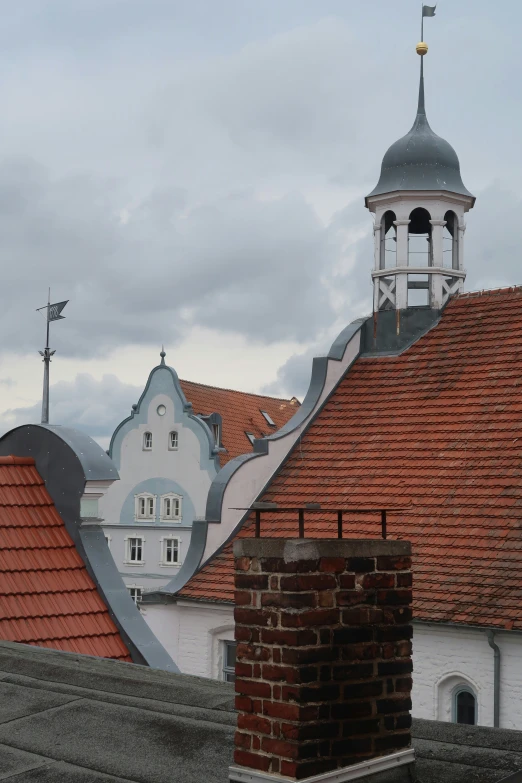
(166, 458)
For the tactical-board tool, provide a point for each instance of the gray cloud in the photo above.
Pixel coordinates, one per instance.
(95, 407)
(161, 171)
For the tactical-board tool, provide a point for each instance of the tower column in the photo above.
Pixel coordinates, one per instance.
(437, 259)
(401, 284)
(377, 244)
(437, 253)
(460, 251)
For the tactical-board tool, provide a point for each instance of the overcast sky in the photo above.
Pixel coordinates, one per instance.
(192, 172)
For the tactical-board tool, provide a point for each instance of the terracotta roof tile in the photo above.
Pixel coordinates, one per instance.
(240, 412)
(47, 597)
(440, 428)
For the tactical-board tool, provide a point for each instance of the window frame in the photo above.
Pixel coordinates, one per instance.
(164, 541)
(228, 672)
(146, 496)
(146, 435)
(251, 437)
(269, 420)
(216, 432)
(136, 599)
(463, 688)
(128, 560)
(108, 539)
(173, 496)
(170, 446)
(89, 508)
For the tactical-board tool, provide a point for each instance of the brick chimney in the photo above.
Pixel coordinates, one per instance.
(323, 662)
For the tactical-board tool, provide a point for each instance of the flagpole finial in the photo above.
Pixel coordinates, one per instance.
(162, 354)
(421, 48)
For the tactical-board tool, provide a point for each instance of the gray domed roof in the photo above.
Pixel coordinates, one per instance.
(421, 160)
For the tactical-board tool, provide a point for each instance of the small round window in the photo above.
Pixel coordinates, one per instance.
(161, 410)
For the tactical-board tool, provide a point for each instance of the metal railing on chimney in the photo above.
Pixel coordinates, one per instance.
(274, 508)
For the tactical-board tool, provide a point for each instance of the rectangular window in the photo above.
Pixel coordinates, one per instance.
(108, 540)
(145, 507)
(147, 441)
(173, 440)
(89, 508)
(171, 508)
(251, 437)
(268, 418)
(135, 550)
(229, 661)
(136, 594)
(170, 551)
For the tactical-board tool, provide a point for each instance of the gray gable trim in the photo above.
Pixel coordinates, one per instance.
(416, 321)
(202, 429)
(198, 539)
(317, 382)
(66, 459)
(217, 489)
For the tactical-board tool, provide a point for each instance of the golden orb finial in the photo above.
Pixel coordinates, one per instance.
(421, 48)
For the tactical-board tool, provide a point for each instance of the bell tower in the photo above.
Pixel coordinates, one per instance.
(419, 205)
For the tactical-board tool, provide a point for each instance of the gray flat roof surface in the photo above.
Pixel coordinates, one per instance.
(66, 717)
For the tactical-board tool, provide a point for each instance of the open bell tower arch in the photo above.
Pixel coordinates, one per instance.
(419, 206)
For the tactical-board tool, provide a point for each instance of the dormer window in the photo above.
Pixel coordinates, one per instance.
(147, 441)
(216, 433)
(171, 506)
(173, 440)
(145, 506)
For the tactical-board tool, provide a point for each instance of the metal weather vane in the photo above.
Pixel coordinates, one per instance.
(427, 10)
(52, 314)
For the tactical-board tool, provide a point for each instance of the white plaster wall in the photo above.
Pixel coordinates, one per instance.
(443, 657)
(192, 633)
(137, 465)
(151, 574)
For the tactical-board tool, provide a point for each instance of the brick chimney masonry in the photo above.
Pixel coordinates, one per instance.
(323, 661)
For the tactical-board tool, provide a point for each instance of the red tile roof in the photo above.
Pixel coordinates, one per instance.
(240, 412)
(439, 427)
(47, 598)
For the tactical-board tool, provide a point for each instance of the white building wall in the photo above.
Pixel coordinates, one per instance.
(152, 574)
(193, 634)
(444, 658)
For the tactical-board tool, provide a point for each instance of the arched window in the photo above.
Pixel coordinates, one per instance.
(147, 441)
(420, 251)
(450, 240)
(420, 254)
(173, 440)
(465, 706)
(145, 506)
(388, 252)
(171, 506)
